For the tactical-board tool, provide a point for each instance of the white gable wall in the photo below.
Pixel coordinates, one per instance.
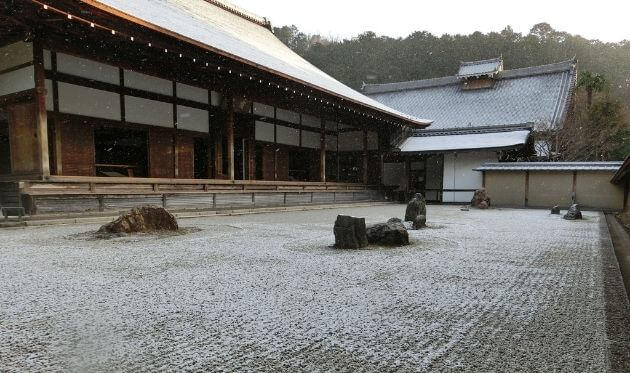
(459, 174)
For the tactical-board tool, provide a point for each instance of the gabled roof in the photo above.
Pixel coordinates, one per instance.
(623, 174)
(480, 68)
(550, 166)
(539, 94)
(226, 29)
(465, 141)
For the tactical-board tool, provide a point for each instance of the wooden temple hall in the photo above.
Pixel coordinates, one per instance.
(187, 103)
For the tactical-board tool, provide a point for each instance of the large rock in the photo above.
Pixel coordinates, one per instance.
(417, 206)
(350, 232)
(141, 220)
(392, 233)
(555, 210)
(480, 200)
(574, 213)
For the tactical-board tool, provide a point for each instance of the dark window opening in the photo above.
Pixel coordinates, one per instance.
(202, 158)
(5, 148)
(224, 156)
(259, 162)
(239, 159)
(332, 169)
(120, 152)
(350, 165)
(300, 163)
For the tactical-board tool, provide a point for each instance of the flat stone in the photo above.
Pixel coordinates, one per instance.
(420, 222)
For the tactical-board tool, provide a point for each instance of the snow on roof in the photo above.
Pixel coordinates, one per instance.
(623, 173)
(478, 68)
(496, 140)
(551, 166)
(240, 35)
(538, 94)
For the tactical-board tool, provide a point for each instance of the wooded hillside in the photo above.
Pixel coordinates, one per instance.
(602, 104)
(371, 58)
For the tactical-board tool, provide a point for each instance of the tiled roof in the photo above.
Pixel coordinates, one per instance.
(466, 141)
(623, 174)
(551, 166)
(539, 94)
(480, 68)
(237, 34)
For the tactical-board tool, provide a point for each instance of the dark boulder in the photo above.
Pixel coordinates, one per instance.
(142, 220)
(416, 207)
(555, 210)
(574, 213)
(350, 232)
(392, 233)
(480, 200)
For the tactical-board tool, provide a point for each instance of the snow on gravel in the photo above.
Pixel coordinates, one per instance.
(497, 290)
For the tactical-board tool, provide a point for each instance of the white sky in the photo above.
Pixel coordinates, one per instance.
(607, 20)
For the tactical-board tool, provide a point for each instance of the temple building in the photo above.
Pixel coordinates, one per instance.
(483, 114)
(187, 103)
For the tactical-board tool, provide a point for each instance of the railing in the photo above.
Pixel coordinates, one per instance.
(64, 194)
(85, 185)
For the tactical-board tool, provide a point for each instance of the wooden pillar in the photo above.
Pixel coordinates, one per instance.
(626, 191)
(573, 188)
(322, 152)
(526, 188)
(41, 117)
(218, 154)
(251, 155)
(229, 132)
(175, 139)
(365, 157)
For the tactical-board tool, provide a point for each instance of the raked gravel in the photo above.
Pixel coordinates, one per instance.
(496, 290)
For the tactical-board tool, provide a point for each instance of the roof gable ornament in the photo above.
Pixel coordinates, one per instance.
(480, 69)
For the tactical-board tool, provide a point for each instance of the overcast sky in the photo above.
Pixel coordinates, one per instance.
(607, 20)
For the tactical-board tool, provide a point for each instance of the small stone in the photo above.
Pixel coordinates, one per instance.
(480, 200)
(574, 213)
(420, 222)
(392, 233)
(555, 210)
(464, 208)
(142, 220)
(350, 232)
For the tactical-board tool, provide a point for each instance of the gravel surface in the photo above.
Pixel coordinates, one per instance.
(496, 290)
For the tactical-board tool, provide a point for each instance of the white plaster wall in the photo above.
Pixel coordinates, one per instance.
(192, 93)
(287, 135)
(459, 174)
(192, 119)
(265, 131)
(15, 54)
(148, 83)
(17, 80)
(311, 139)
(311, 121)
(88, 69)
(143, 111)
(75, 99)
